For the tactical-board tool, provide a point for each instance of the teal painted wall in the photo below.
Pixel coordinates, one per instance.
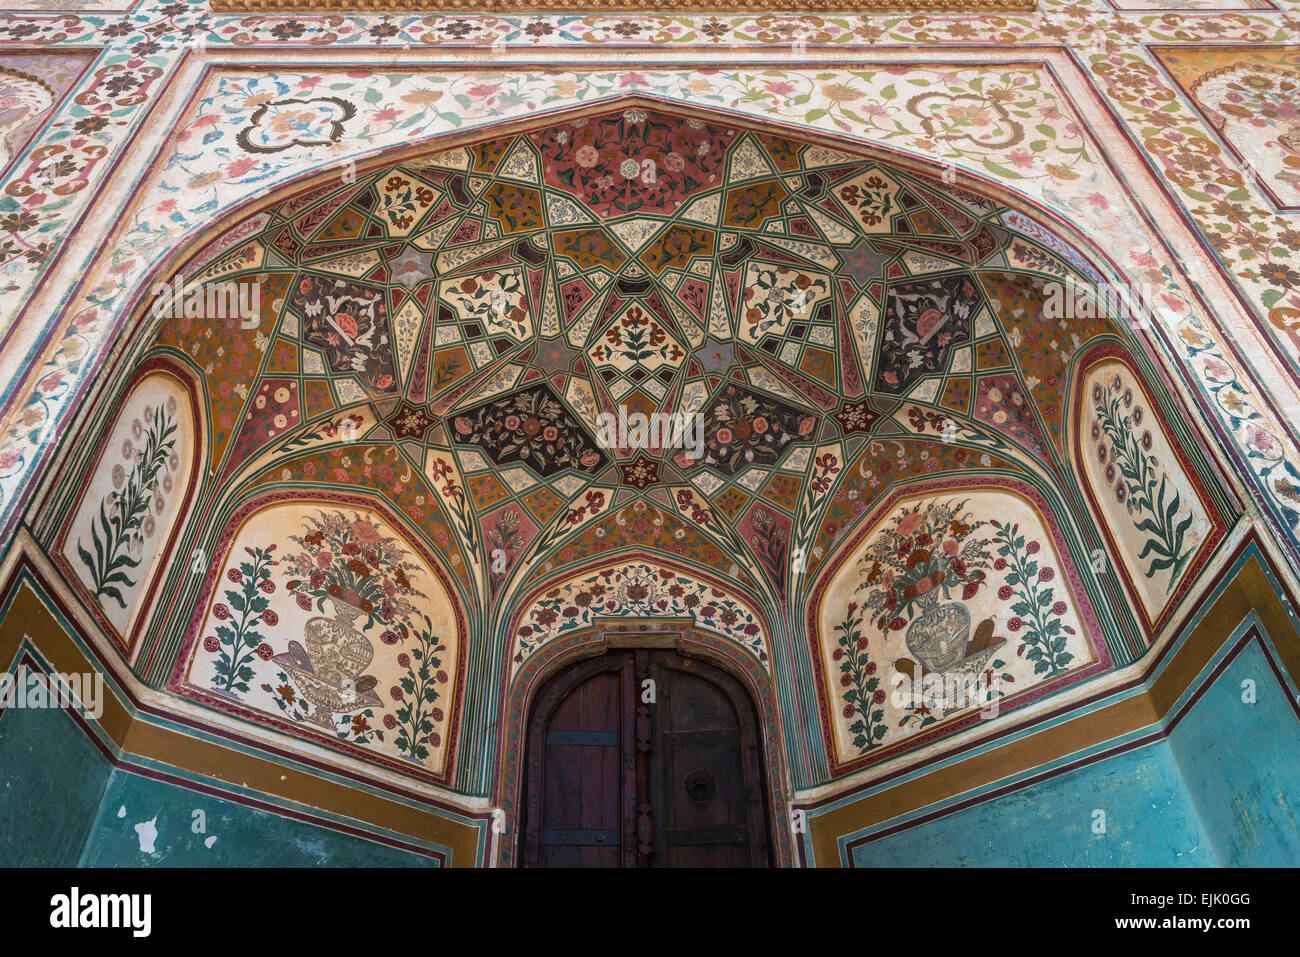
(234, 835)
(1222, 790)
(1150, 821)
(1242, 765)
(51, 780)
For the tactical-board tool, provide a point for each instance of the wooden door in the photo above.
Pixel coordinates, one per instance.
(615, 779)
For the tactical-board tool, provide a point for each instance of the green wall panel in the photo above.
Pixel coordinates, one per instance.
(233, 835)
(51, 781)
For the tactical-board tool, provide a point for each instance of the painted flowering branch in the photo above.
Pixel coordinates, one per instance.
(858, 676)
(768, 541)
(417, 692)
(456, 505)
(1146, 495)
(236, 646)
(821, 478)
(1045, 636)
(120, 523)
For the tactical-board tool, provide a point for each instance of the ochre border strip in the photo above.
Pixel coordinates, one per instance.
(29, 617)
(1250, 590)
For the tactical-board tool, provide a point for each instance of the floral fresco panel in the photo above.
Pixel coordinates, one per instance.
(116, 543)
(953, 606)
(327, 621)
(1151, 508)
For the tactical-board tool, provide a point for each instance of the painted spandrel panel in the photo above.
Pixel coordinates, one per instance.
(116, 542)
(954, 606)
(24, 98)
(1143, 495)
(326, 622)
(637, 591)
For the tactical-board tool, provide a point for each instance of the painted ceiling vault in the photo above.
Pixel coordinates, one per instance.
(357, 371)
(645, 364)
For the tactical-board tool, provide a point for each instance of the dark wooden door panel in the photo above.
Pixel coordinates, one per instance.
(577, 743)
(704, 732)
(614, 781)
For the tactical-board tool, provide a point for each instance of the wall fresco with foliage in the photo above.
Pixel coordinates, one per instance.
(133, 499)
(442, 330)
(326, 621)
(954, 605)
(1150, 506)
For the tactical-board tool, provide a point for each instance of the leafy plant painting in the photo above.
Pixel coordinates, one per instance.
(124, 514)
(862, 693)
(416, 694)
(1141, 486)
(1037, 613)
(246, 609)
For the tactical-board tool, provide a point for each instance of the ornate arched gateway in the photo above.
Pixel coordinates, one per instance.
(373, 464)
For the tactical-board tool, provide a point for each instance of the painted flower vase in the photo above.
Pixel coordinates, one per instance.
(939, 634)
(339, 654)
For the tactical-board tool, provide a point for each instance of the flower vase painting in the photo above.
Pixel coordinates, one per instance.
(325, 621)
(330, 671)
(950, 607)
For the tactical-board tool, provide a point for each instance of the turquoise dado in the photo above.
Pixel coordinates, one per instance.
(1222, 789)
(65, 805)
(1219, 790)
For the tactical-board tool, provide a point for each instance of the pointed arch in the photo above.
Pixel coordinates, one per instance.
(133, 498)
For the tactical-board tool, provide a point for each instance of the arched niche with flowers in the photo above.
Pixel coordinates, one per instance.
(1151, 505)
(955, 602)
(323, 620)
(116, 545)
